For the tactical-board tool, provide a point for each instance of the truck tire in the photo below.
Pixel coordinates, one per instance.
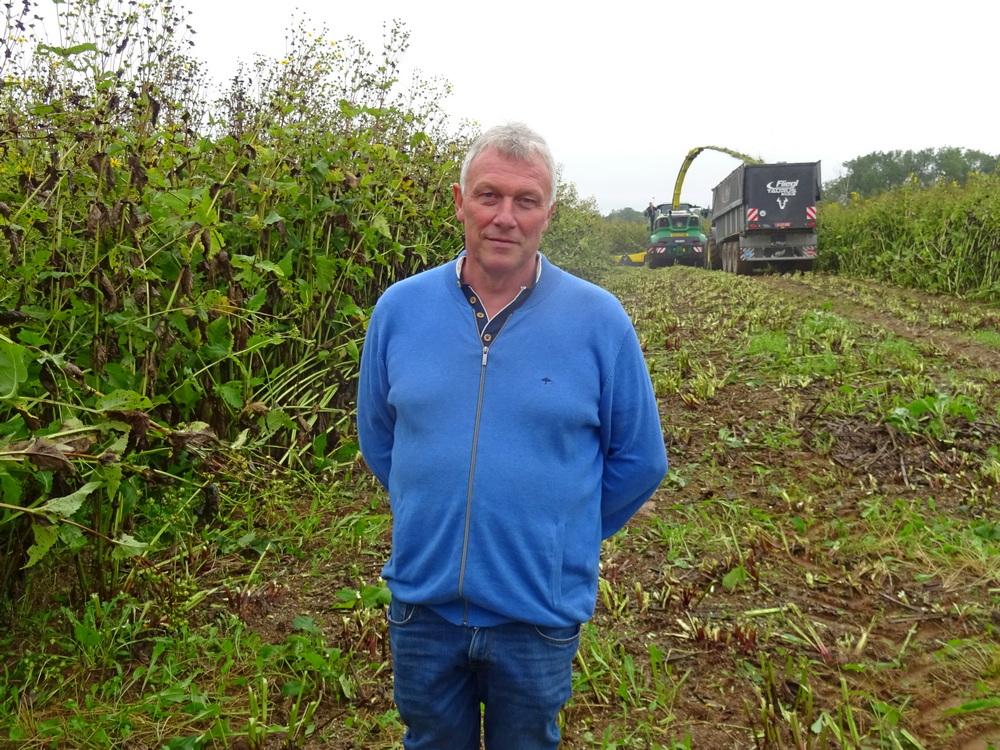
(740, 266)
(736, 264)
(805, 265)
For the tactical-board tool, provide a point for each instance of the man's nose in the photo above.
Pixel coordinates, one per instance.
(505, 213)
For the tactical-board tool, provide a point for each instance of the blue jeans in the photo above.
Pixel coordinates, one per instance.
(522, 674)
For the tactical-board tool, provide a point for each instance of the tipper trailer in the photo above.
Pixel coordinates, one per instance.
(766, 214)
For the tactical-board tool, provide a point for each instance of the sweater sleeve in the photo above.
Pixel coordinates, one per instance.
(635, 460)
(376, 418)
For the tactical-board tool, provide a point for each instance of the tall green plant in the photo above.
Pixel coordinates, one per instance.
(941, 238)
(177, 282)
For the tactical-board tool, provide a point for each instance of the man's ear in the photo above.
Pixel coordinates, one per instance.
(456, 190)
(548, 218)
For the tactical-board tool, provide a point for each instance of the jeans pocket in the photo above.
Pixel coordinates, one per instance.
(400, 613)
(560, 636)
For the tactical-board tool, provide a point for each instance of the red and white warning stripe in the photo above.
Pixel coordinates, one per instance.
(811, 212)
(753, 214)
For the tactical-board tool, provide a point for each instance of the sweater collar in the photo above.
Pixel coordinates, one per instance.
(547, 278)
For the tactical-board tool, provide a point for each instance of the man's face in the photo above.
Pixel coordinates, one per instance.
(505, 209)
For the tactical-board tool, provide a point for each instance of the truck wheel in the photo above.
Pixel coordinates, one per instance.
(731, 255)
(740, 266)
(713, 260)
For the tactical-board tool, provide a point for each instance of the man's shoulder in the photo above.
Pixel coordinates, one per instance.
(420, 284)
(586, 292)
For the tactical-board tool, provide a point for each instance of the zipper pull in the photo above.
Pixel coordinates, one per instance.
(486, 351)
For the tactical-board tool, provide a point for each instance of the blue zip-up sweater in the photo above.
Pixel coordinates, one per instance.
(506, 465)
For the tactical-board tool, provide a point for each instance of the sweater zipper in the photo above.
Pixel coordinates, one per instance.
(472, 472)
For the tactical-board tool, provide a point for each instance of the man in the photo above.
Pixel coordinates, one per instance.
(651, 213)
(506, 406)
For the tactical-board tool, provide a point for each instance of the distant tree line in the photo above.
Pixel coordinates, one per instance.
(580, 237)
(883, 170)
(627, 214)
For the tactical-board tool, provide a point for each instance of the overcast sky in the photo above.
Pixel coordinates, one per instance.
(622, 100)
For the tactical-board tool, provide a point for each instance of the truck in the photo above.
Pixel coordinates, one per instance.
(765, 214)
(676, 236)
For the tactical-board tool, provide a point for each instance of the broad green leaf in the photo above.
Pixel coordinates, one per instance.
(72, 537)
(112, 473)
(10, 489)
(66, 506)
(375, 596)
(13, 368)
(285, 264)
(255, 302)
(67, 51)
(734, 577)
(123, 400)
(45, 537)
(305, 623)
(347, 686)
(347, 306)
(241, 440)
(292, 688)
(220, 342)
(277, 419)
(188, 392)
(266, 265)
(128, 546)
(231, 393)
(348, 595)
(381, 225)
(326, 272)
(86, 636)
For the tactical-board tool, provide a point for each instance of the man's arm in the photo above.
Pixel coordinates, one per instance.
(632, 436)
(376, 418)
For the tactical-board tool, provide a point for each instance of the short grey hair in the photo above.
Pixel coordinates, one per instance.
(517, 140)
